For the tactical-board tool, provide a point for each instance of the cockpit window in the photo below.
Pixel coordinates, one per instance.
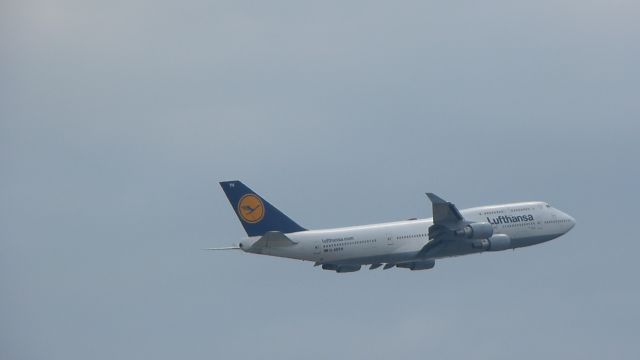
(547, 205)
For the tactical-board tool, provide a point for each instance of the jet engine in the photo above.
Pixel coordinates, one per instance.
(347, 268)
(341, 268)
(495, 243)
(479, 230)
(418, 265)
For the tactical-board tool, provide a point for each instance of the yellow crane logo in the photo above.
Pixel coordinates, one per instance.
(251, 208)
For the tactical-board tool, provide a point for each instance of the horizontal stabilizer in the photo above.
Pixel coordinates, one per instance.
(272, 239)
(224, 248)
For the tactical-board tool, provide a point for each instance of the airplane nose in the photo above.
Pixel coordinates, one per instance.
(571, 221)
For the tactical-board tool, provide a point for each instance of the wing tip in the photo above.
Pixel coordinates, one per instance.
(435, 198)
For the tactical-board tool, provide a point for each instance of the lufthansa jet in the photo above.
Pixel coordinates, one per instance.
(413, 244)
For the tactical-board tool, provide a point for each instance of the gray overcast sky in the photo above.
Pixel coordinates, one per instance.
(118, 118)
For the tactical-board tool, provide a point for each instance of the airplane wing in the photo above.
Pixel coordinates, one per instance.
(444, 212)
(446, 221)
(449, 225)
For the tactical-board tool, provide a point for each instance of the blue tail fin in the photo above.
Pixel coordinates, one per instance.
(255, 213)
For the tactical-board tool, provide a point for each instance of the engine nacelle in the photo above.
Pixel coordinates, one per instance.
(418, 265)
(347, 268)
(497, 242)
(479, 230)
(341, 268)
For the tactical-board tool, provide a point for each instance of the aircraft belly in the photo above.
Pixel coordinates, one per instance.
(391, 258)
(533, 240)
(385, 253)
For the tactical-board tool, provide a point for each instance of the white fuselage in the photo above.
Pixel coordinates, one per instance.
(526, 224)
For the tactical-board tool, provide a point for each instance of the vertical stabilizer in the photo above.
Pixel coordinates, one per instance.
(256, 214)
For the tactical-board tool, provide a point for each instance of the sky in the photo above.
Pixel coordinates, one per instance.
(119, 118)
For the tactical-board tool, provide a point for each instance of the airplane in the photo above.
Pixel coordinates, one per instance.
(413, 244)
